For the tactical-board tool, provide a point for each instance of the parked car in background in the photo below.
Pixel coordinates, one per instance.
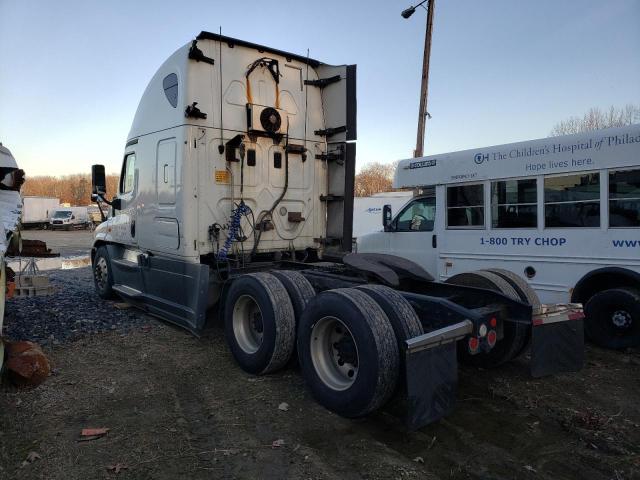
(69, 218)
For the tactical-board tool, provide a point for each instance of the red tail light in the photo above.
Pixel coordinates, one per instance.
(474, 343)
(491, 338)
(493, 322)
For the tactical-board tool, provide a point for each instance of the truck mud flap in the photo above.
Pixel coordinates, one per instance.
(557, 341)
(431, 375)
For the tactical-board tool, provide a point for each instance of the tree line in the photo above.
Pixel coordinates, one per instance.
(72, 189)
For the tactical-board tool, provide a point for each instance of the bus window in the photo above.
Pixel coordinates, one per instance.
(624, 198)
(514, 204)
(465, 206)
(572, 201)
(418, 216)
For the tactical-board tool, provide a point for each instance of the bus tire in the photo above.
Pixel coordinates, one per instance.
(612, 318)
(348, 353)
(516, 335)
(259, 323)
(102, 274)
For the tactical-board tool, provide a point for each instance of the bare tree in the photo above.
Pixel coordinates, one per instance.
(72, 189)
(375, 178)
(596, 119)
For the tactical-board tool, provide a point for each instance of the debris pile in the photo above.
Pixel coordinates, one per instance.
(26, 363)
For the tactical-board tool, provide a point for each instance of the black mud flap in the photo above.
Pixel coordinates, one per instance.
(432, 384)
(557, 345)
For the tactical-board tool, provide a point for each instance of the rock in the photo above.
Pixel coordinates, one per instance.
(27, 363)
(284, 406)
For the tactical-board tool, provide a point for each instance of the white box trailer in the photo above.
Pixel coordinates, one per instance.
(236, 194)
(367, 211)
(562, 212)
(37, 211)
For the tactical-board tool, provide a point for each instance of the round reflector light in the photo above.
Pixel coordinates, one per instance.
(492, 337)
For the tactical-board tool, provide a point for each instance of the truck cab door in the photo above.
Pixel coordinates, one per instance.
(123, 223)
(411, 235)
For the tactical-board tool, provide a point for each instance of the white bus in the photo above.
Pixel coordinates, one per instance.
(563, 212)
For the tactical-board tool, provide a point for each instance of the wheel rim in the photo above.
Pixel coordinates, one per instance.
(101, 273)
(621, 319)
(248, 327)
(334, 353)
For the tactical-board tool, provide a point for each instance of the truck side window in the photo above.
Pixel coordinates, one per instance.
(127, 177)
(572, 201)
(418, 216)
(514, 204)
(465, 206)
(624, 198)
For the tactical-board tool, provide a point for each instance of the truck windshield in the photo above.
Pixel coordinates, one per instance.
(62, 214)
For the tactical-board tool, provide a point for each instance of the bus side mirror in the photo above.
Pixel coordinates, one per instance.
(98, 181)
(386, 218)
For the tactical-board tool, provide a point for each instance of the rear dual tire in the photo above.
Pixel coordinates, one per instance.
(348, 352)
(516, 335)
(259, 323)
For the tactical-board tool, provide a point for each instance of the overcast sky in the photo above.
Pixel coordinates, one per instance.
(72, 71)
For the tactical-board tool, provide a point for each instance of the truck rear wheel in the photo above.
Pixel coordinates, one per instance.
(404, 320)
(298, 287)
(259, 323)
(102, 276)
(348, 352)
(516, 335)
(612, 318)
(526, 293)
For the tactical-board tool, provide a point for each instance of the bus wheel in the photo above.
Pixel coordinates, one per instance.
(259, 323)
(515, 336)
(348, 352)
(612, 318)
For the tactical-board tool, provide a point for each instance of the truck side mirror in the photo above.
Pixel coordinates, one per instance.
(386, 218)
(98, 181)
(116, 203)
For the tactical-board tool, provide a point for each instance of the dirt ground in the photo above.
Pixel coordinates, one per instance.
(178, 407)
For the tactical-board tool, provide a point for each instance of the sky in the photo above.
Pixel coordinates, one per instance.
(72, 71)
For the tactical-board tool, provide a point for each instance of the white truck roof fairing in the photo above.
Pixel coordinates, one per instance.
(10, 203)
(199, 81)
(613, 147)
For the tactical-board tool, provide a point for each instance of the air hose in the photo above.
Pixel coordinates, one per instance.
(234, 226)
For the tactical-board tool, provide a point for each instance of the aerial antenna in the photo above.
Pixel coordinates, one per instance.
(306, 98)
(221, 146)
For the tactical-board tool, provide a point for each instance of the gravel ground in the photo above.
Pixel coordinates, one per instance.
(73, 310)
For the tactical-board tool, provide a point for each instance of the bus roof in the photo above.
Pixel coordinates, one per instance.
(609, 148)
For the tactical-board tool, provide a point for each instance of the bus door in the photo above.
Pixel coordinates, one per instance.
(412, 234)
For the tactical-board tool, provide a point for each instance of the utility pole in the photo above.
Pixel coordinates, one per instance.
(424, 88)
(422, 113)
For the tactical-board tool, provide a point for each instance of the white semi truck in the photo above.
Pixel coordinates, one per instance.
(236, 195)
(562, 212)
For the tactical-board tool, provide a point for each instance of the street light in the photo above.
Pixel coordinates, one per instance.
(422, 113)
